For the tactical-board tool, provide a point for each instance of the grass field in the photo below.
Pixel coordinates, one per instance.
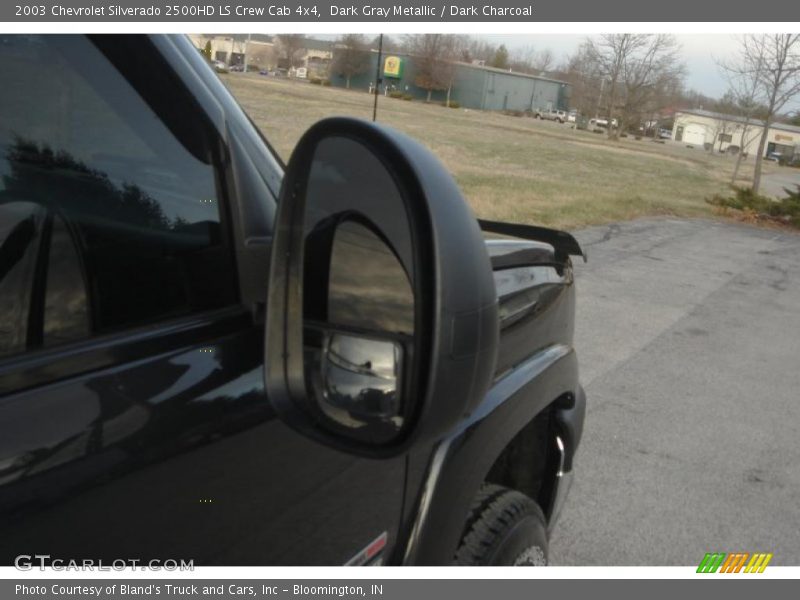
(511, 168)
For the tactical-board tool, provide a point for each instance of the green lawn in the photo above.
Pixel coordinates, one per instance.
(510, 168)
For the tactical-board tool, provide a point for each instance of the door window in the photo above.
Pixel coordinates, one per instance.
(110, 210)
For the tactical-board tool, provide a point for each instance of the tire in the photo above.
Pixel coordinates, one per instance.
(505, 527)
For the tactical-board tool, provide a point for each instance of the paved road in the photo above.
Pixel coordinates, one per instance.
(775, 184)
(688, 334)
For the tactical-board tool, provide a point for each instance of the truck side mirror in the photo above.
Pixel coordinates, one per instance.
(381, 317)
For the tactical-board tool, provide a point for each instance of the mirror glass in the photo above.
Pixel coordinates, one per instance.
(358, 293)
(367, 285)
(361, 375)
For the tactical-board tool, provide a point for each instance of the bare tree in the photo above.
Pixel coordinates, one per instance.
(520, 59)
(635, 66)
(265, 57)
(779, 80)
(291, 45)
(582, 72)
(544, 60)
(390, 44)
(745, 73)
(526, 59)
(434, 53)
(457, 49)
(478, 50)
(722, 128)
(350, 57)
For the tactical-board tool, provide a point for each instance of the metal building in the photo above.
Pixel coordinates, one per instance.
(474, 86)
(487, 88)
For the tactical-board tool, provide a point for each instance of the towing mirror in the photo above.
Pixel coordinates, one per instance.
(381, 317)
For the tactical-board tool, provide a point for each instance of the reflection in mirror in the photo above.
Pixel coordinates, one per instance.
(361, 375)
(358, 294)
(367, 286)
(358, 329)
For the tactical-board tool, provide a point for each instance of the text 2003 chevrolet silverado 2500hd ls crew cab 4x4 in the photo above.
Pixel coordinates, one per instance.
(207, 355)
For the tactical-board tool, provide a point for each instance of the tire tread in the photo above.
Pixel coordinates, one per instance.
(494, 512)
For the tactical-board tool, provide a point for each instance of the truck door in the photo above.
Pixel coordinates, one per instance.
(133, 419)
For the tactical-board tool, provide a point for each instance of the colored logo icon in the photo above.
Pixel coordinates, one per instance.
(737, 562)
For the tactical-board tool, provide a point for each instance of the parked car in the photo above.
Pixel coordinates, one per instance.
(219, 65)
(559, 116)
(773, 156)
(572, 116)
(665, 134)
(602, 122)
(207, 355)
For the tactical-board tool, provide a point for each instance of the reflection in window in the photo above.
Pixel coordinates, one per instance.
(20, 227)
(66, 314)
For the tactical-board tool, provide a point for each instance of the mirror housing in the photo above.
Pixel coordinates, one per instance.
(368, 389)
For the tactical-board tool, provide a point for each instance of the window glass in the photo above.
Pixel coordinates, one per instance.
(66, 310)
(20, 226)
(125, 193)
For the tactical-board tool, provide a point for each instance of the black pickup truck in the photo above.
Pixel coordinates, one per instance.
(208, 355)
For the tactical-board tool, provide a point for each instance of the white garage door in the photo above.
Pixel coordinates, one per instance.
(694, 134)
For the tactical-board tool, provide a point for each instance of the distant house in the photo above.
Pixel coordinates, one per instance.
(726, 133)
(231, 49)
(316, 56)
(264, 52)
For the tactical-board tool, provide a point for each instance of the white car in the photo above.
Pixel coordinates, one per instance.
(602, 122)
(560, 116)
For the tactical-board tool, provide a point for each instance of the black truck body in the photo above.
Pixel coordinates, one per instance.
(156, 440)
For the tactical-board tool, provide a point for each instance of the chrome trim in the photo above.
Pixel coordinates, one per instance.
(562, 486)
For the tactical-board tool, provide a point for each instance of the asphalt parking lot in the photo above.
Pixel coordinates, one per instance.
(776, 184)
(688, 334)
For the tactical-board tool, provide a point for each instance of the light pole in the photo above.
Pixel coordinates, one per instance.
(599, 99)
(378, 78)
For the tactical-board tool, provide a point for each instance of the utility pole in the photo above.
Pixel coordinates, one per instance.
(600, 100)
(377, 79)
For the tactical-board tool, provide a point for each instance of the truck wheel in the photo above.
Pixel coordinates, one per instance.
(504, 527)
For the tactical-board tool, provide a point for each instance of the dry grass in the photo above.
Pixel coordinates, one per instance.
(511, 168)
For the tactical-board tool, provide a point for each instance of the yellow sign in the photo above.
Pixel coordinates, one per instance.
(393, 67)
